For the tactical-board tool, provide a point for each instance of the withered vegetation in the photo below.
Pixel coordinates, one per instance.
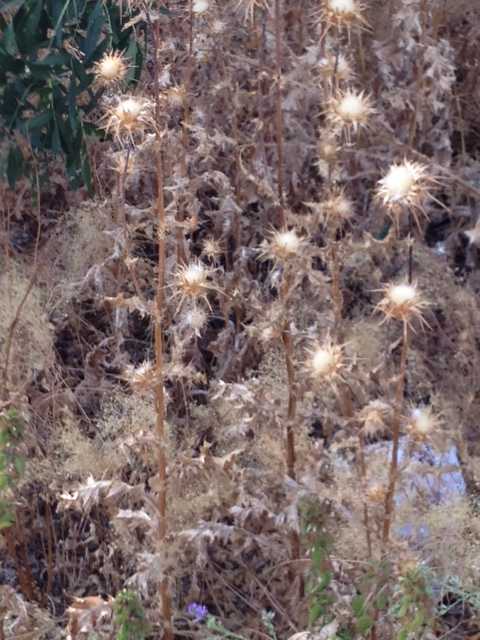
(248, 369)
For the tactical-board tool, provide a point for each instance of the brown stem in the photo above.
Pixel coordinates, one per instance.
(278, 109)
(11, 330)
(363, 475)
(159, 351)
(292, 403)
(393, 469)
(337, 296)
(50, 547)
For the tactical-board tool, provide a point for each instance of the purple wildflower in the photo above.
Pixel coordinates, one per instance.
(197, 611)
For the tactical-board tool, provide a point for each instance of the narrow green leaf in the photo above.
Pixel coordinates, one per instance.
(9, 40)
(15, 165)
(96, 21)
(364, 624)
(37, 122)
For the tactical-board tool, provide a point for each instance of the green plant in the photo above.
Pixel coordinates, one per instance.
(317, 541)
(130, 617)
(412, 603)
(47, 90)
(12, 463)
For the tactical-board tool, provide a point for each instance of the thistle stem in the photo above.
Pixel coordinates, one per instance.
(159, 392)
(393, 469)
(278, 108)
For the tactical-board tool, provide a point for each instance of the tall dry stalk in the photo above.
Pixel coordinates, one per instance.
(159, 317)
(393, 468)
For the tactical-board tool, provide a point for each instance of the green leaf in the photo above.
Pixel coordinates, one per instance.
(358, 606)
(96, 21)
(54, 60)
(315, 612)
(11, 4)
(57, 31)
(19, 464)
(9, 40)
(37, 122)
(6, 520)
(26, 24)
(364, 623)
(15, 166)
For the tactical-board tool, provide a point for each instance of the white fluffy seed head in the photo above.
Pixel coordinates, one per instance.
(192, 279)
(402, 294)
(342, 6)
(325, 362)
(350, 110)
(283, 245)
(337, 66)
(404, 183)
(111, 69)
(402, 301)
(195, 319)
(423, 422)
(352, 107)
(200, 6)
(322, 361)
(287, 242)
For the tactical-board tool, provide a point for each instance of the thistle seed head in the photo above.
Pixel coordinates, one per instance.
(141, 378)
(402, 302)
(336, 66)
(200, 6)
(404, 183)
(376, 493)
(350, 110)
(111, 69)
(325, 362)
(211, 249)
(337, 209)
(283, 246)
(193, 280)
(128, 117)
(194, 320)
(373, 418)
(422, 422)
(343, 14)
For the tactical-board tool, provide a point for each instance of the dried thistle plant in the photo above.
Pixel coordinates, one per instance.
(349, 111)
(111, 70)
(128, 118)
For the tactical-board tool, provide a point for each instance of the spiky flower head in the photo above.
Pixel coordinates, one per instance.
(376, 493)
(343, 14)
(175, 96)
(194, 320)
(335, 66)
(326, 362)
(405, 185)
(328, 149)
(111, 69)
(349, 111)
(211, 248)
(193, 280)
(200, 6)
(282, 246)
(402, 301)
(142, 378)
(422, 422)
(129, 117)
(373, 418)
(337, 209)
